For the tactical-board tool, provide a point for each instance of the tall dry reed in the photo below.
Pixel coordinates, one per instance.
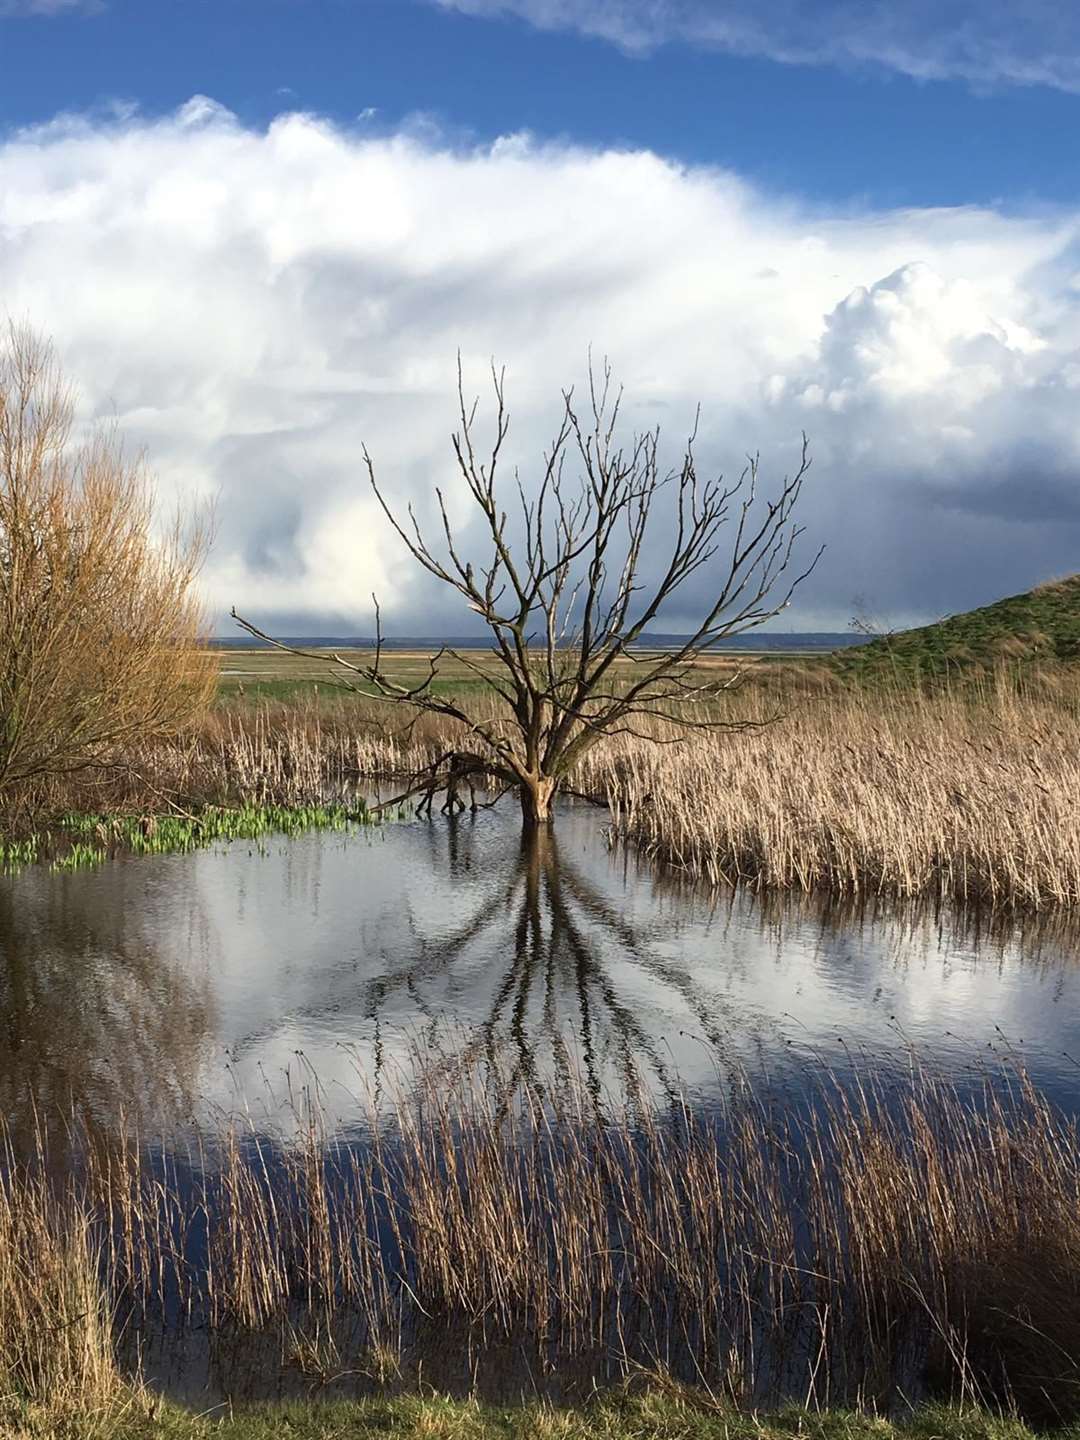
(56, 1322)
(967, 797)
(851, 1244)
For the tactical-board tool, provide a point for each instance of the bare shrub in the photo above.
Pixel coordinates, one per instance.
(101, 627)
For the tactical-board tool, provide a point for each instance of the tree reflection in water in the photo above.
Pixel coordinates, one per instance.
(94, 1028)
(561, 949)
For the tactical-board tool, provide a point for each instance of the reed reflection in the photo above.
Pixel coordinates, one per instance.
(94, 1026)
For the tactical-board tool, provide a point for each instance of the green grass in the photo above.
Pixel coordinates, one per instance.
(232, 689)
(649, 1416)
(1041, 626)
(324, 689)
(258, 676)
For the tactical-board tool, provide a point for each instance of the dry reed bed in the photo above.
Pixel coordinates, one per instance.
(848, 1247)
(959, 798)
(966, 797)
(280, 754)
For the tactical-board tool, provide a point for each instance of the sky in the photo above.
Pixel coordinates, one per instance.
(260, 231)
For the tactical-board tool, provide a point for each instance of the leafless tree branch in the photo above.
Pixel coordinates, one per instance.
(566, 600)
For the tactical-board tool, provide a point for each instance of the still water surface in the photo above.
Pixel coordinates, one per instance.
(217, 980)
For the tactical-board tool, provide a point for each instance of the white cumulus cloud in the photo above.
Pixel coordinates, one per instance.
(253, 305)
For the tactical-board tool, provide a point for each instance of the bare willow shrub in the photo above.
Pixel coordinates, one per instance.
(101, 627)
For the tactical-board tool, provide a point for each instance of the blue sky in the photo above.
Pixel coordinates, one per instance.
(260, 230)
(841, 132)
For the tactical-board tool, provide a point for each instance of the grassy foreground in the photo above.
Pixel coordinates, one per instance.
(653, 1415)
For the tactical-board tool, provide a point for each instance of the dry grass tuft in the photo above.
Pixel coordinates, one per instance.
(58, 1370)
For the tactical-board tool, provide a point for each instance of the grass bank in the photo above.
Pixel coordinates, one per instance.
(1035, 628)
(654, 1414)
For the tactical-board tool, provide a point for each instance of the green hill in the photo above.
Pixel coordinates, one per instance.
(1040, 626)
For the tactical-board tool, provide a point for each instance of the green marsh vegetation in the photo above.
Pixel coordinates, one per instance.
(177, 834)
(82, 841)
(14, 854)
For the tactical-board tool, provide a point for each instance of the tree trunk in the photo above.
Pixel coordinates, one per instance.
(536, 792)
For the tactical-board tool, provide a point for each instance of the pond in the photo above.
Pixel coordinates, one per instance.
(210, 1003)
(221, 980)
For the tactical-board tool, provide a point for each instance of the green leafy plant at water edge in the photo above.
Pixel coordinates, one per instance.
(164, 834)
(14, 854)
(79, 857)
(89, 839)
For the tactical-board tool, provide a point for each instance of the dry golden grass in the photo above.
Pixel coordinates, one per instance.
(963, 796)
(841, 1247)
(967, 797)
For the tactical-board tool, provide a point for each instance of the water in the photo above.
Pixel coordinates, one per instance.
(246, 978)
(227, 979)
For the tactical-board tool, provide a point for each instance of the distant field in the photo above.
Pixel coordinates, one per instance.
(1039, 629)
(253, 675)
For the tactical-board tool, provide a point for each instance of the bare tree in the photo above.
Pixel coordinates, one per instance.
(565, 602)
(101, 630)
